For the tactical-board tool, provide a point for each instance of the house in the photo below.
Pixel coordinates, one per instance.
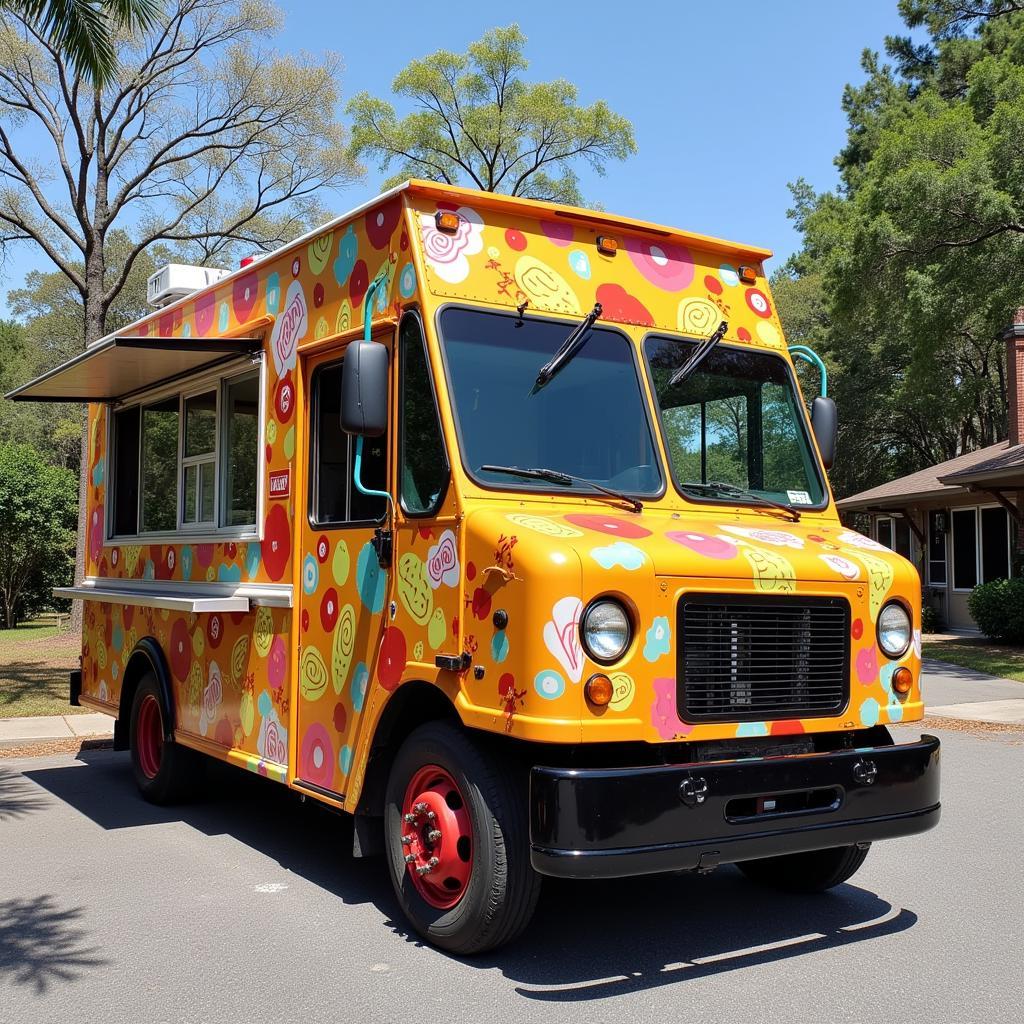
(959, 521)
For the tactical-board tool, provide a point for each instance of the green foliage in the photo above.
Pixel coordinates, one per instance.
(49, 329)
(998, 609)
(38, 514)
(931, 621)
(84, 30)
(910, 272)
(474, 120)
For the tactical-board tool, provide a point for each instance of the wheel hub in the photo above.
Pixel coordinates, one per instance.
(149, 735)
(436, 837)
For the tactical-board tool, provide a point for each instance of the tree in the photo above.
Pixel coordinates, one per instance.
(476, 121)
(911, 270)
(203, 139)
(49, 330)
(83, 31)
(37, 531)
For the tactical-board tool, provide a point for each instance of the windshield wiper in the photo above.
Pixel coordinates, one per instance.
(731, 490)
(565, 479)
(701, 353)
(568, 349)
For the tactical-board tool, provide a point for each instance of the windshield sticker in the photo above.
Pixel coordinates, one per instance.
(799, 498)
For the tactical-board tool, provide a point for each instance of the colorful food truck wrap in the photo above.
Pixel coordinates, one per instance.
(459, 506)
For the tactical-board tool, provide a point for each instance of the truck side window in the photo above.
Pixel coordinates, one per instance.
(335, 499)
(423, 464)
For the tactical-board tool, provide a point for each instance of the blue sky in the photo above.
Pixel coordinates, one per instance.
(730, 101)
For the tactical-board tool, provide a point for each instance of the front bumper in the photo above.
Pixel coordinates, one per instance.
(612, 822)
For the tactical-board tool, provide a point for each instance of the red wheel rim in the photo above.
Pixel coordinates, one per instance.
(436, 837)
(149, 736)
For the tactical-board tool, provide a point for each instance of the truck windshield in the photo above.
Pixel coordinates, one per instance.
(735, 421)
(590, 421)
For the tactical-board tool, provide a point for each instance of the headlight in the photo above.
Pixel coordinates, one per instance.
(606, 630)
(894, 630)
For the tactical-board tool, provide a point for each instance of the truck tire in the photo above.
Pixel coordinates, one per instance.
(814, 871)
(165, 772)
(460, 814)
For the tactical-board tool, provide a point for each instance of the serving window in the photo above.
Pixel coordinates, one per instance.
(187, 462)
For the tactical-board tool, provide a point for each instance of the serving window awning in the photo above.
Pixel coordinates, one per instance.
(118, 367)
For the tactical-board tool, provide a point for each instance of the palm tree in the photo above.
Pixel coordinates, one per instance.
(83, 30)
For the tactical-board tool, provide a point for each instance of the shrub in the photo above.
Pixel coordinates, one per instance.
(998, 609)
(931, 621)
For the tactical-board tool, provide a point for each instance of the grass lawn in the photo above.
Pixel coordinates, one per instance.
(34, 664)
(996, 659)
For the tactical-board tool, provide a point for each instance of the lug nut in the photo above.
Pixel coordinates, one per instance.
(410, 819)
(420, 807)
(407, 840)
(410, 857)
(431, 816)
(434, 834)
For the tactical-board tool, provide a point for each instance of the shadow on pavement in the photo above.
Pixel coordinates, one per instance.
(588, 940)
(18, 798)
(41, 943)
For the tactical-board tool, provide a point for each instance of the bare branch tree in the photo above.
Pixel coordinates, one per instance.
(204, 139)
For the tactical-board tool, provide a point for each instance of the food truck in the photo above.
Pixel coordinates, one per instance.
(504, 527)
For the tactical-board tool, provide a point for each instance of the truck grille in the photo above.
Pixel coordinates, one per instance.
(759, 657)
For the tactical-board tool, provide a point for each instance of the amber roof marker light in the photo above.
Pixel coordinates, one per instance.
(748, 275)
(447, 221)
(607, 245)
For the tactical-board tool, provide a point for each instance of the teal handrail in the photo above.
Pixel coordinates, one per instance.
(357, 469)
(808, 354)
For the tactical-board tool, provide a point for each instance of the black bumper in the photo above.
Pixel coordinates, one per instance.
(612, 822)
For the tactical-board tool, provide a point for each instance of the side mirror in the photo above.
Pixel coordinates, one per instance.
(825, 424)
(364, 389)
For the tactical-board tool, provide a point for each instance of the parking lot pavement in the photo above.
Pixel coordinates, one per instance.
(246, 906)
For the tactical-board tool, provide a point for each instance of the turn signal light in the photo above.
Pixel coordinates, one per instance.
(447, 221)
(607, 245)
(599, 690)
(902, 680)
(748, 275)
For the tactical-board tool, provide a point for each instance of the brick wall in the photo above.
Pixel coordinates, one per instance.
(1014, 337)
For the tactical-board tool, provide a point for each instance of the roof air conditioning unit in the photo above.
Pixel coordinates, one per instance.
(177, 280)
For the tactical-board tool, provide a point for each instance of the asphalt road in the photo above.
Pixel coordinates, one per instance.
(247, 907)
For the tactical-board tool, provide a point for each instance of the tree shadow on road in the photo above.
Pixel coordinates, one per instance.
(42, 943)
(18, 797)
(589, 940)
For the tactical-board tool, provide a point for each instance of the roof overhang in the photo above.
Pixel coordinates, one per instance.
(117, 367)
(1007, 479)
(897, 501)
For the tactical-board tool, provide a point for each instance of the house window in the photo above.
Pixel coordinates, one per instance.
(965, 548)
(981, 546)
(884, 532)
(995, 544)
(187, 462)
(937, 548)
(334, 498)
